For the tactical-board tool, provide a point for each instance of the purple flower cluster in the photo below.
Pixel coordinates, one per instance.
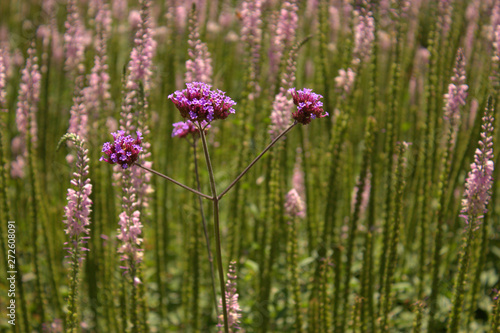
(183, 129)
(198, 102)
(124, 150)
(308, 105)
(480, 178)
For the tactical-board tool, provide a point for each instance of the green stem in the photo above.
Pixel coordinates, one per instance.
(215, 200)
(458, 295)
(254, 161)
(174, 181)
(205, 230)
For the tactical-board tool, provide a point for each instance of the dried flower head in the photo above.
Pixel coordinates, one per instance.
(124, 150)
(308, 105)
(198, 102)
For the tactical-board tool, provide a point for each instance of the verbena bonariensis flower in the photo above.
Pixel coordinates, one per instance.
(29, 95)
(233, 307)
(457, 91)
(183, 129)
(294, 206)
(77, 211)
(199, 64)
(124, 150)
(308, 105)
(480, 179)
(199, 103)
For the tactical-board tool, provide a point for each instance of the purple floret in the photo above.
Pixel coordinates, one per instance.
(198, 102)
(308, 105)
(124, 150)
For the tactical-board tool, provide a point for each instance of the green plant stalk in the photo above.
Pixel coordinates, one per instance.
(215, 200)
(72, 315)
(353, 225)
(389, 162)
(459, 289)
(441, 209)
(417, 322)
(325, 319)
(396, 218)
(134, 316)
(294, 274)
(142, 303)
(34, 211)
(275, 220)
(330, 236)
(310, 223)
(495, 318)
(425, 213)
(205, 229)
(366, 311)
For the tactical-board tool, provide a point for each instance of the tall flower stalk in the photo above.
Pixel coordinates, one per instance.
(77, 213)
(476, 197)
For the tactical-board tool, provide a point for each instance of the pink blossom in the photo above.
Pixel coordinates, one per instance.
(97, 95)
(457, 91)
(284, 36)
(251, 31)
(232, 305)
(29, 96)
(75, 37)
(363, 36)
(199, 64)
(281, 114)
(78, 208)
(479, 180)
(3, 82)
(345, 81)
(294, 205)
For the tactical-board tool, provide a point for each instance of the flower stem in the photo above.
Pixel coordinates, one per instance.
(255, 160)
(175, 182)
(217, 231)
(203, 220)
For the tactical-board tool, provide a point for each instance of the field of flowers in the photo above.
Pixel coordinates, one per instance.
(325, 165)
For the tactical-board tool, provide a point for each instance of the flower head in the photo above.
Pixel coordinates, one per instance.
(124, 150)
(183, 129)
(308, 105)
(198, 102)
